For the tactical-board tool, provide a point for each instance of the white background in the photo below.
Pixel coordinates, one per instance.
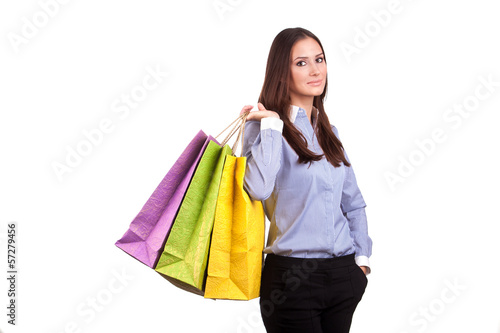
(435, 228)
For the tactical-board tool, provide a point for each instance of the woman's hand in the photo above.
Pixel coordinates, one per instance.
(364, 269)
(261, 113)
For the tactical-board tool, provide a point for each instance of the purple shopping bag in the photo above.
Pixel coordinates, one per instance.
(148, 231)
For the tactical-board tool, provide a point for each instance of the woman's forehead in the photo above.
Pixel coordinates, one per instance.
(306, 47)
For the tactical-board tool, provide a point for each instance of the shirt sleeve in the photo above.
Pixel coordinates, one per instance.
(262, 143)
(353, 207)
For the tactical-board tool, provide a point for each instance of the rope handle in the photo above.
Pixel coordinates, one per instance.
(238, 127)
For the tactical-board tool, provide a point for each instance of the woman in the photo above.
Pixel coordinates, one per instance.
(318, 246)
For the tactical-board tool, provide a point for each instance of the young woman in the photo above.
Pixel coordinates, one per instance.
(318, 246)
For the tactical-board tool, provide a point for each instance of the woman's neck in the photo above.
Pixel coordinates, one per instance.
(305, 103)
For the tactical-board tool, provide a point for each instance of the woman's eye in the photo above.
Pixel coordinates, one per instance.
(301, 63)
(320, 60)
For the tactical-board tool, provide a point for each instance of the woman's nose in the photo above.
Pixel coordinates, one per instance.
(315, 69)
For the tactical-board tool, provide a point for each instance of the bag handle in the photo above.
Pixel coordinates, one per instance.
(238, 127)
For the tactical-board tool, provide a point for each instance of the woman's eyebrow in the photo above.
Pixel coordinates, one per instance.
(308, 57)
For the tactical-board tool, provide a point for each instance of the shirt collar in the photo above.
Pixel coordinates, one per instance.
(294, 109)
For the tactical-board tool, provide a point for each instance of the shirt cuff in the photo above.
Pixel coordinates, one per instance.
(272, 123)
(363, 261)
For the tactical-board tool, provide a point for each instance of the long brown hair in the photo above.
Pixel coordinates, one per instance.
(275, 95)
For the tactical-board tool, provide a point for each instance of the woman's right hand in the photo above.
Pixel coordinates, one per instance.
(258, 114)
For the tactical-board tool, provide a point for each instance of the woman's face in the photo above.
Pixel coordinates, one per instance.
(308, 70)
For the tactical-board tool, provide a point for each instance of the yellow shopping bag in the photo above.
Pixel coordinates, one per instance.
(235, 257)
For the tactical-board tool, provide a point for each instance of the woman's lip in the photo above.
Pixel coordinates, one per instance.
(315, 83)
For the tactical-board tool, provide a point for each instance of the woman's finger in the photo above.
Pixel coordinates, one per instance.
(246, 108)
(255, 115)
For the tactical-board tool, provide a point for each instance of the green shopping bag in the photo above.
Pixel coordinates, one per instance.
(184, 258)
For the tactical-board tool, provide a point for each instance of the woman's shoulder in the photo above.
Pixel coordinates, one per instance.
(335, 130)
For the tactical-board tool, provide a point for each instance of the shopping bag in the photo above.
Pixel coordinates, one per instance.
(235, 257)
(184, 258)
(147, 232)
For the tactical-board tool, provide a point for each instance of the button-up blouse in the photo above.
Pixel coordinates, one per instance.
(316, 210)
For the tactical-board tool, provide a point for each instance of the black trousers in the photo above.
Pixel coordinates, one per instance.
(310, 295)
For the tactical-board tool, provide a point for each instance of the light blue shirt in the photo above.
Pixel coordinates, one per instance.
(315, 211)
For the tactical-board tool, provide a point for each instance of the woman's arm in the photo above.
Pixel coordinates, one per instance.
(353, 208)
(262, 147)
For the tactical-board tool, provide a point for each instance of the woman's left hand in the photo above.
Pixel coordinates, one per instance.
(364, 269)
